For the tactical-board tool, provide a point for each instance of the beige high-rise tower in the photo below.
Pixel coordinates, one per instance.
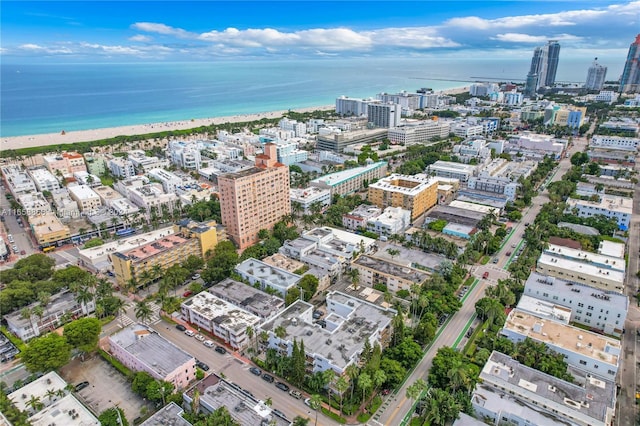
(254, 199)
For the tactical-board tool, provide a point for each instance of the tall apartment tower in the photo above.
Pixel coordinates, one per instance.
(384, 115)
(544, 65)
(630, 81)
(255, 198)
(596, 76)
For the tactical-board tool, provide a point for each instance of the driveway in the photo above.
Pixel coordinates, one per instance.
(107, 388)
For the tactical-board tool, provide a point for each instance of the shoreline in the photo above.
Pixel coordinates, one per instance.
(50, 139)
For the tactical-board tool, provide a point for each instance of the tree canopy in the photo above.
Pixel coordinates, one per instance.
(46, 353)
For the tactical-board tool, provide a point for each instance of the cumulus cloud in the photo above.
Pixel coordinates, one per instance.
(526, 38)
(141, 38)
(152, 27)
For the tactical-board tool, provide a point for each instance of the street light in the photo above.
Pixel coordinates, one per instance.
(119, 418)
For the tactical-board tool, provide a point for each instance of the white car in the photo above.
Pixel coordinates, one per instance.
(200, 338)
(189, 333)
(195, 276)
(208, 343)
(10, 238)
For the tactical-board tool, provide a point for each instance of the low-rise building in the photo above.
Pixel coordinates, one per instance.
(497, 185)
(123, 207)
(151, 197)
(84, 178)
(393, 275)
(611, 206)
(96, 164)
(60, 306)
(66, 163)
(267, 276)
(107, 194)
(334, 139)
(140, 348)
(414, 193)
(476, 208)
(351, 180)
(142, 162)
(307, 197)
(394, 220)
(86, 197)
(581, 272)
(358, 217)
(350, 322)
(121, 167)
(170, 414)
(449, 169)
(224, 320)
(456, 215)
(614, 142)
(597, 259)
(611, 156)
(48, 229)
(44, 179)
(17, 181)
(511, 393)
(602, 311)
(252, 300)
(186, 155)
(168, 180)
(421, 132)
(585, 350)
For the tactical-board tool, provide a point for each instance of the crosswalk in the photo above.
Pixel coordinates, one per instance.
(155, 315)
(130, 318)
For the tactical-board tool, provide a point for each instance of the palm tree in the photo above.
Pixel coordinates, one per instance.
(143, 312)
(280, 332)
(119, 308)
(27, 313)
(341, 386)
(352, 371)
(364, 383)
(458, 376)
(83, 297)
(249, 332)
(35, 403)
(379, 377)
(315, 403)
(354, 274)
(50, 393)
(415, 390)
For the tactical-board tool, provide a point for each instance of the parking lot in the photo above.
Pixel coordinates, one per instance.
(107, 387)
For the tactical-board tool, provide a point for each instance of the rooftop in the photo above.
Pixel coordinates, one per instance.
(266, 273)
(603, 261)
(126, 244)
(220, 311)
(247, 297)
(170, 415)
(339, 177)
(544, 309)
(308, 193)
(150, 348)
(58, 302)
(66, 411)
(450, 165)
(479, 208)
(607, 202)
(386, 267)
(37, 388)
(405, 184)
(82, 192)
(582, 268)
(154, 248)
(553, 333)
(590, 397)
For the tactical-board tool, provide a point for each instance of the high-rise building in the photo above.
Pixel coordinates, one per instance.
(544, 65)
(384, 115)
(255, 198)
(630, 81)
(595, 76)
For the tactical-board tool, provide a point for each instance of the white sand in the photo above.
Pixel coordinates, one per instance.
(46, 139)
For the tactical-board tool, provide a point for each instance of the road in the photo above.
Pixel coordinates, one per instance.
(10, 226)
(398, 406)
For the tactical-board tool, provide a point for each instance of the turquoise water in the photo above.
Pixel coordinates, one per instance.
(47, 98)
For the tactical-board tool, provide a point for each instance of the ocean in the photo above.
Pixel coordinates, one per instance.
(48, 98)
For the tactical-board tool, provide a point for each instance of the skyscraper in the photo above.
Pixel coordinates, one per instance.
(595, 76)
(254, 199)
(630, 81)
(544, 65)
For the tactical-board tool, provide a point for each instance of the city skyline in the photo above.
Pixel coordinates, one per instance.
(192, 31)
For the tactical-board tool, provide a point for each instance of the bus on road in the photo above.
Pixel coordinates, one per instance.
(125, 232)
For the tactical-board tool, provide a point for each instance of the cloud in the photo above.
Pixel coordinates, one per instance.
(151, 27)
(141, 38)
(526, 38)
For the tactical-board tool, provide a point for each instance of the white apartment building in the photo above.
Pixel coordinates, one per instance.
(394, 220)
(66, 208)
(86, 197)
(496, 185)
(448, 169)
(511, 393)
(168, 180)
(581, 272)
(288, 152)
(357, 107)
(483, 89)
(350, 322)
(84, 178)
(384, 115)
(350, 180)
(467, 130)
(44, 179)
(224, 320)
(185, 155)
(614, 142)
(585, 350)
(395, 276)
(151, 196)
(419, 132)
(123, 207)
(409, 102)
(600, 310)
(298, 129)
(267, 276)
(603, 261)
(34, 203)
(358, 217)
(611, 206)
(512, 98)
(121, 167)
(252, 300)
(17, 181)
(140, 161)
(306, 197)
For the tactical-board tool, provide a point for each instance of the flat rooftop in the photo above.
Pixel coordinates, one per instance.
(611, 248)
(283, 262)
(247, 297)
(544, 309)
(552, 333)
(59, 302)
(583, 268)
(82, 192)
(451, 166)
(152, 349)
(171, 414)
(408, 257)
(478, 208)
(604, 261)
(126, 244)
(266, 273)
(593, 398)
(154, 248)
(456, 215)
(387, 267)
(405, 184)
(343, 337)
(607, 202)
(66, 411)
(37, 388)
(339, 177)
(309, 193)
(221, 312)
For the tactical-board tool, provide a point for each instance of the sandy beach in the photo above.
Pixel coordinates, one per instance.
(46, 139)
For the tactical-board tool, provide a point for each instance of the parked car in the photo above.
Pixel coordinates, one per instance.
(190, 333)
(81, 386)
(495, 260)
(187, 293)
(15, 249)
(195, 276)
(279, 413)
(307, 402)
(202, 366)
(221, 350)
(181, 327)
(317, 314)
(282, 386)
(208, 343)
(508, 253)
(22, 252)
(267, 378)
(514, 245)
(256, 371)
(10, 238)
(200, 338)
(296, 394)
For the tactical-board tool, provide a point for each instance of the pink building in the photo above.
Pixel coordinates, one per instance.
(255, 198)
(67, 163)
(142, 349)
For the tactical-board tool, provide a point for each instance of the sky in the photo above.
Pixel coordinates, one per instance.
(93, 31)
